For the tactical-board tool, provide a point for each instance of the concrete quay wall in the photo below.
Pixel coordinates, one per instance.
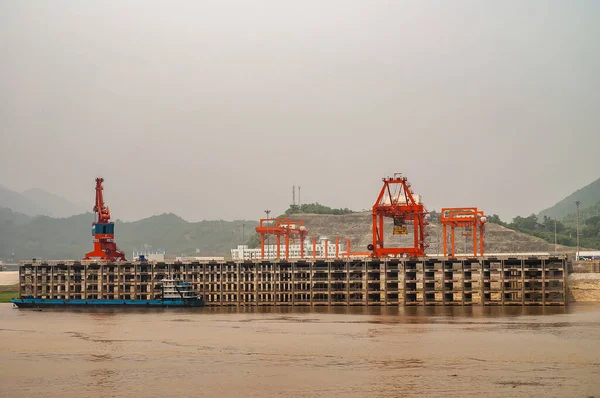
(344, 282)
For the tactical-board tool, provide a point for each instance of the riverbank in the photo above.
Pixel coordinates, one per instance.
(9, 278)
(9, 285)
(583, 288)
(7, 292)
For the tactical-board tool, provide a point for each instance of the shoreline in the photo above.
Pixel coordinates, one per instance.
(9, 278)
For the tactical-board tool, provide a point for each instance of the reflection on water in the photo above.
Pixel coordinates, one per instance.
(270, 351)
(105, 314)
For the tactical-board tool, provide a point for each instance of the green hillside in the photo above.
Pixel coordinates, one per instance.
(543, 225)
(70, 238)
(589, 196)
(7, 215)
(563, 229)
(566, 233)
(315, 208)
(584, 216)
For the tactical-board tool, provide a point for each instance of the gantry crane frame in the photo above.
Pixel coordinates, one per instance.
(281, 227)
(399, 204)
(463, 217)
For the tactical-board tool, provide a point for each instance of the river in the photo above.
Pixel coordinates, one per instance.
(356, 352)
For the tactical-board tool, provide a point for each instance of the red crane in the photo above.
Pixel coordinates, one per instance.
(103, 231)
(281, 227)
(465, 217)
(397, 201)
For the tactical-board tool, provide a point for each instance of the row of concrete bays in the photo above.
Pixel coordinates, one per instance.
(423, 281)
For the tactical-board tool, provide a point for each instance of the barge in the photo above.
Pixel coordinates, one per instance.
(171, 293)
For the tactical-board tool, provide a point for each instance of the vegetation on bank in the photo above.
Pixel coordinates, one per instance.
(566, 233)
(316, 208)
(7, 292)
(566, 229)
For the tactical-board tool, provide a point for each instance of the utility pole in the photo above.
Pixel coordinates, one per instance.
(439, 240)
(268, 246)
(299, 200)
(577, 203)
(555, 236)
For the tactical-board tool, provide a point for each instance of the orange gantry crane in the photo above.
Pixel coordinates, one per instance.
(465, 217)
(397, 201)
(103, 231)
(281, 227)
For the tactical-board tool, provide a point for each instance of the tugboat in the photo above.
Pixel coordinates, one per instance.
(177, 293)
(172, 293)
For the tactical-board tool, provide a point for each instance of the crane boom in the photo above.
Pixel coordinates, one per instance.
(100, 207)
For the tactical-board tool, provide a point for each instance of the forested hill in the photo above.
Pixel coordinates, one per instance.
(589, 196)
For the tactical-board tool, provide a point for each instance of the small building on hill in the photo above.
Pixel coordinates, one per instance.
(588, 255)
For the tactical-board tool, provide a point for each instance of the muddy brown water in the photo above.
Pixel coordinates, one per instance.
(356, 352)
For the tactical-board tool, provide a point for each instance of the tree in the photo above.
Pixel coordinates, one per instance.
(526, 223)
(593, 221)
(589, 231)
(549, 223)
(434, 216)
(254, 241)
(315, 208)
(495, 218)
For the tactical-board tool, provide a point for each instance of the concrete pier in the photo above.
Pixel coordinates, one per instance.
(342, 282)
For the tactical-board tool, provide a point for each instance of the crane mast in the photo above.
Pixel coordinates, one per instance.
(103, 230)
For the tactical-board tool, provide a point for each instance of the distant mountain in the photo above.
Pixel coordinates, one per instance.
(589, 196)
(70, 238)
(17, 202)
(35, 202)
(11, 217)
(53, 205)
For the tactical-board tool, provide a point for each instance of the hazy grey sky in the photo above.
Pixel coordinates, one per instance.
(215, 109)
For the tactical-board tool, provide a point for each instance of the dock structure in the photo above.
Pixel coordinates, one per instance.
(424, 281)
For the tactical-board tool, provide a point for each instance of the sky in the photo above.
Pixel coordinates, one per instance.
(215, 109)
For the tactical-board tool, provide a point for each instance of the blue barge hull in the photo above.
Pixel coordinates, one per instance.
(40, 303)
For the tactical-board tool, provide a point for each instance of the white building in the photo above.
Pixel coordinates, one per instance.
(243, 252)
(150, 255)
